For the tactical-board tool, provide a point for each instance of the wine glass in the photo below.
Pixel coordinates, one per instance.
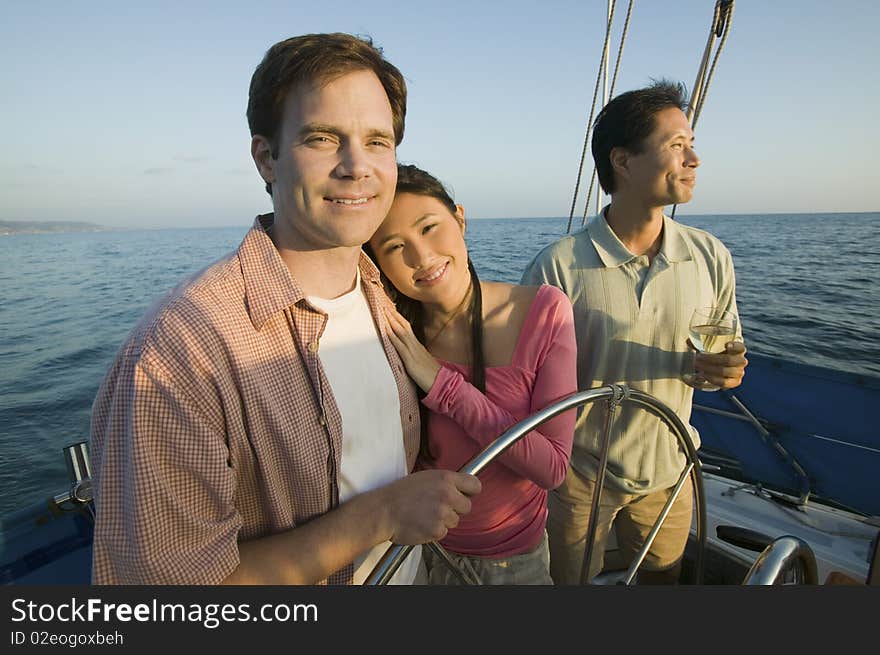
(710, 329)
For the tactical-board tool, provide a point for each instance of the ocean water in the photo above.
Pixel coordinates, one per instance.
(805, 287)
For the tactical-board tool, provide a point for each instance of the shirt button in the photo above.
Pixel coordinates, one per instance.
(410, 418)
(313, 346)
(322, 421)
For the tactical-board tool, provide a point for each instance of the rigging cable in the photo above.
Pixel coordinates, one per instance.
(722, 19)
(721, 28)
(610, 95)
(577, 183)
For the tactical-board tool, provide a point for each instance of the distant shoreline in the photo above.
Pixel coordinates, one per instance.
(8, 228)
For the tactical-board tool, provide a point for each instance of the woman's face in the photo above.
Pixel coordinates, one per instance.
(420, 248)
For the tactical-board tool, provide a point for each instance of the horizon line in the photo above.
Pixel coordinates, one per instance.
(475, 218)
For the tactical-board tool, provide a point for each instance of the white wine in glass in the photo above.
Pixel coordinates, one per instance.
(711, 328)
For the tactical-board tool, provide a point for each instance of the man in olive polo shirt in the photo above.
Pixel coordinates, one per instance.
(635, 277)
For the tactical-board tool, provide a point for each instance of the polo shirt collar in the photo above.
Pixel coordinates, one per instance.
(613, 253)
(611, 250)
(269, 286)
(674, 247)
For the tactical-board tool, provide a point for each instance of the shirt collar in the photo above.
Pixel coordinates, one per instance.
(269, 286)
(613, 253)
(611, 250)
(674, 247)
(368, 269)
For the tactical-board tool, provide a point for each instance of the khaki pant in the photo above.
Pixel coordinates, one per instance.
(633, 517)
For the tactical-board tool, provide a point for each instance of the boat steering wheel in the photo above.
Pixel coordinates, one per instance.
(614, 395)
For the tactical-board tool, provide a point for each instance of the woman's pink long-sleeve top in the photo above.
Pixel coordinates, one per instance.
(508, 517)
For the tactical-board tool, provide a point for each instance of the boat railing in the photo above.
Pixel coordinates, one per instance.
(80, 494)
(784, 560)
(614, 395)
(787, 560)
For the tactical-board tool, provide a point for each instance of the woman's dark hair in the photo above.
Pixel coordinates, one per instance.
(411, 179)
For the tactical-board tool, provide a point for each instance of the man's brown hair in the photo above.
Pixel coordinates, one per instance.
(318, 58)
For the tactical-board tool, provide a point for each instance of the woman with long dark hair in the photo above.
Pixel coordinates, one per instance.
(485, 355)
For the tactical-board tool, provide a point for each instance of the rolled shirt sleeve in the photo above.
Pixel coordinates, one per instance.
(166, 493)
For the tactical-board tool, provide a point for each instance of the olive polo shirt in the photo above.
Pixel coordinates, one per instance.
(631, 324)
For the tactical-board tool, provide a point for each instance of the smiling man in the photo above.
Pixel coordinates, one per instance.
(634, 277)
(257, 426)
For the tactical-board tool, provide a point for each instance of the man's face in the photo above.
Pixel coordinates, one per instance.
(334, 178)
(664, 173)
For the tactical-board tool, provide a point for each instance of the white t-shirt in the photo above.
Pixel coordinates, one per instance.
(366, 394)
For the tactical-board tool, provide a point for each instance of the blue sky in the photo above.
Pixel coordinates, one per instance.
(134, 115)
